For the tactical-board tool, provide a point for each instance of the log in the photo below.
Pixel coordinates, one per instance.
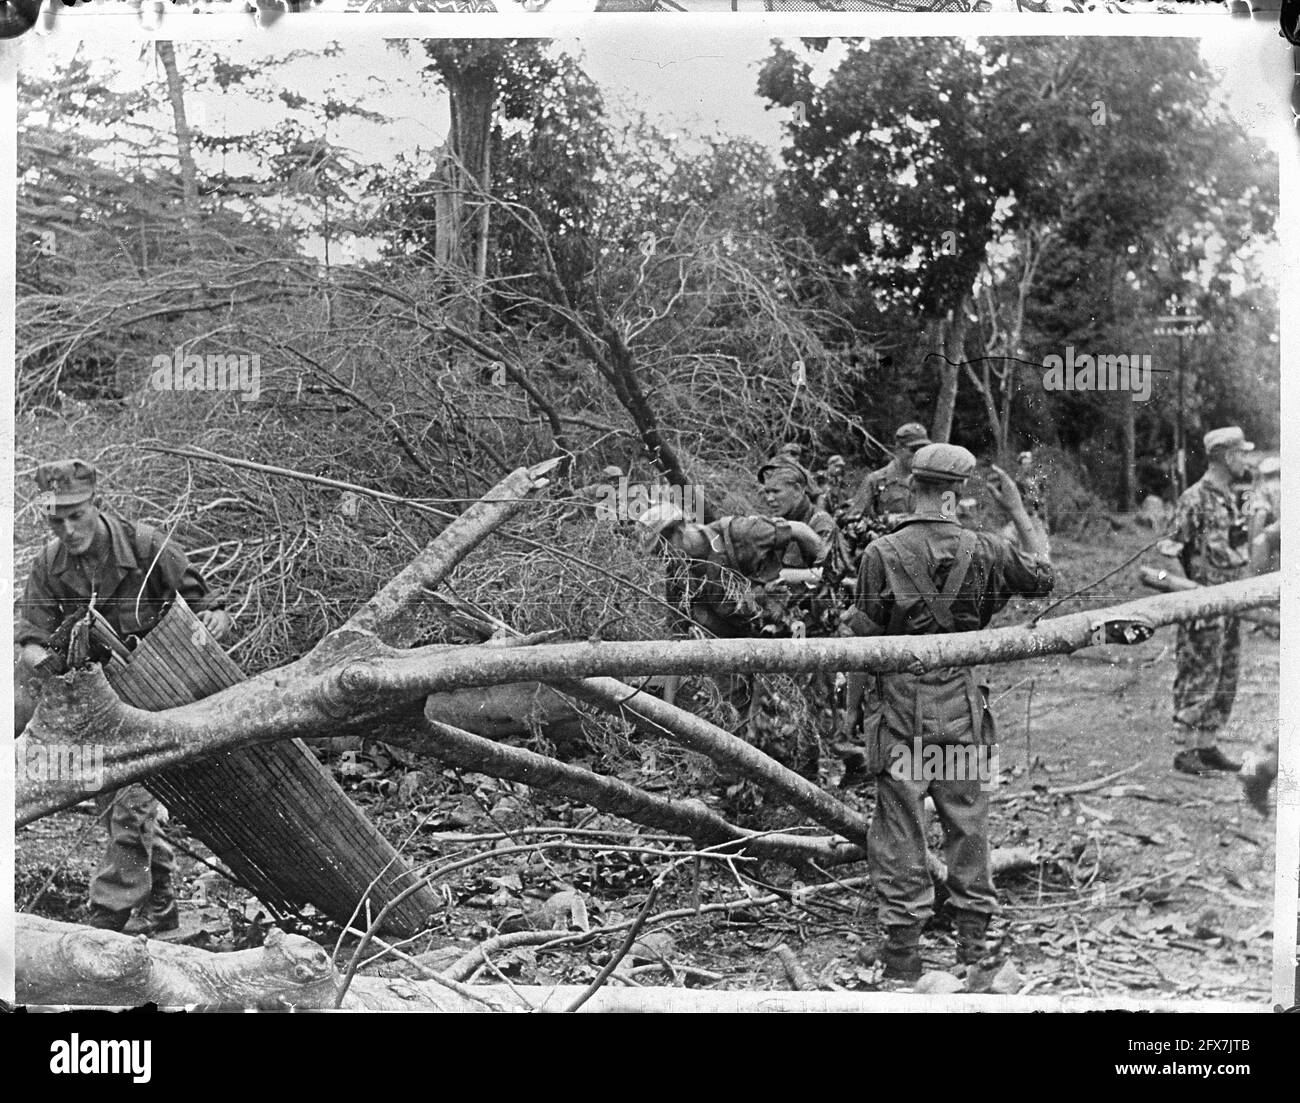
(658, 718)
(1157, 579)
(60, 964)
(351, 680)
(393, 614)
(691, 818)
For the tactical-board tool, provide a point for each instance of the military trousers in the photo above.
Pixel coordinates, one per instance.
(897, 847)
(1205, 685)
(138, 856)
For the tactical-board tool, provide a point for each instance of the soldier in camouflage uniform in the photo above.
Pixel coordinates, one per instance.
(1211, 540)
(810, 605)
(731, 579)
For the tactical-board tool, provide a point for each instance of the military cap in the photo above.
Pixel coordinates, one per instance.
(785, 462)
(1269, 465)
(66, 483)
(943, 463)
(660, 517)
(1229, 437)
(912, 435)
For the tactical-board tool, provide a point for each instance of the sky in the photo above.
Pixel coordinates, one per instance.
(688, 85)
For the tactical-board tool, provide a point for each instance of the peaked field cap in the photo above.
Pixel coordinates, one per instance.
(661, 516)
(943, 462)
(1269, 465)
(784, 462)
(1229, 437)
(912, 435)
(66, 482)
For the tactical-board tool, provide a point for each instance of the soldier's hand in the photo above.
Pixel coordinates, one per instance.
(1004, 490)
(217, 622)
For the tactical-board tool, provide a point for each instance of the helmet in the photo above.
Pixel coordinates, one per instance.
(660, 517)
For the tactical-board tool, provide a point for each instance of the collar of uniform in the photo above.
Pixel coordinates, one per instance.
(933, 518)
(120, 551)
(803, 511)
(1206, 482)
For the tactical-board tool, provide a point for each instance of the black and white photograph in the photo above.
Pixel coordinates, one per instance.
(630, 522)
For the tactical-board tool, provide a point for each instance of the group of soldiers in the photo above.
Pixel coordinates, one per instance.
(902, 561)
(919, 572)
(891, 558)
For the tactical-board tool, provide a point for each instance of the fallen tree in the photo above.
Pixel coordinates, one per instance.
(60, 964)
(365, 678)
(351, 680)
(1175, 584)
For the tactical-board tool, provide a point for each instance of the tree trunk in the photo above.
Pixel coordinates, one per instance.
(60, 964)
(1128, 466)
(1177, 584)
(473, 97)
(351, 681)
(952, 340)
(184, 145)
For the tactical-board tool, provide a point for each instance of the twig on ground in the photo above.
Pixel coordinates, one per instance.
(622, 952)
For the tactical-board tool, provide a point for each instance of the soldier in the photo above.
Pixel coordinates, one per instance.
(932, 576)
(787, 492)
(1211, 539)
(130, 571)
(718, 573)
(831, 483)
(883, 494)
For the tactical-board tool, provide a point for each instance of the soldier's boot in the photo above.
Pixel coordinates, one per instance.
(158, 913)
(972, 929)
(1204, 760)
(899, 953)
(106, 919)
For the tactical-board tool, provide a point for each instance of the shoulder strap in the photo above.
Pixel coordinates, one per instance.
(960, 565)
(939, 604)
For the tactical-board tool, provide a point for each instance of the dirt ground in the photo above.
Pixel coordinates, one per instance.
(1152, 883)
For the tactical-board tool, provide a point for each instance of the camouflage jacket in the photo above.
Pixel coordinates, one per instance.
(138, 576)
(883, 492)
(1212, 531)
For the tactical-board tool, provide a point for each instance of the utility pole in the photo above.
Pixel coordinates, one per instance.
(1182, 322)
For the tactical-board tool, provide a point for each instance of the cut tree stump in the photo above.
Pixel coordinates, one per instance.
(271, 812)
